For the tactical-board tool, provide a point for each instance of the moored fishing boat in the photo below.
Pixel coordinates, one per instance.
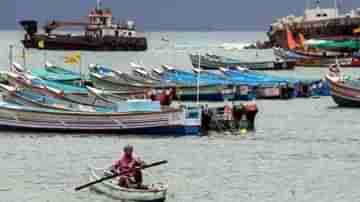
(213, 62)
(145, 72)
(264, 86)
(345, 92)
(121, 77)
(60, 75)
(83, 95)
(59, 70)
(168, 121)
(155, 193)
(164, 96)
(111, 81)
(190, 87)
(75, 94)
(317, 58)
(35, 99)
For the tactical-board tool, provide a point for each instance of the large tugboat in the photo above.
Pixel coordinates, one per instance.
(100, 34)
(317, 23)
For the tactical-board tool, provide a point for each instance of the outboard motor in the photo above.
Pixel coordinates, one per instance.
(30, 26)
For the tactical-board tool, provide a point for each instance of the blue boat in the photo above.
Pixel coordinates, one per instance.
(210, 89)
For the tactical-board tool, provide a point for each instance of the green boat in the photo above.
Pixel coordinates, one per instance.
(28, 97)
(335, 45)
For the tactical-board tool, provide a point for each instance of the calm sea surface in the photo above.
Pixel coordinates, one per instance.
(303, 149)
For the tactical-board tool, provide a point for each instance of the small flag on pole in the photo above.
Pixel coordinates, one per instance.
(72, 59)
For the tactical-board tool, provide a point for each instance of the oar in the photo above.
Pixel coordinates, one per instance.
(117, 174)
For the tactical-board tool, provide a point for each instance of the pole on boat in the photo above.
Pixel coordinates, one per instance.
(198, 81)
(11, 48)
(24, 57)
(336, 8)
(98, 4)
(80, 64)
(45, 57)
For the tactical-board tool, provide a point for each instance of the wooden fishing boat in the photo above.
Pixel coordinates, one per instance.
(265, 86)
(120, 77)
(154, 74)
(60, 75)
(210, 89)
(164, 96)
(213, 62)
(3, 77)
(71, 93)
(111, 83)
(35, 99)
(108, 79)
(144, 72)
(156, 192)
(345, 92)
(59, 70)
(317, 58)
(83, 95)
(168, 121)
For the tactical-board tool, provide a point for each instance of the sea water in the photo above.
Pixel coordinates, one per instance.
(302, 149)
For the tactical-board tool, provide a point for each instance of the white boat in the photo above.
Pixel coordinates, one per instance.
(156, 192)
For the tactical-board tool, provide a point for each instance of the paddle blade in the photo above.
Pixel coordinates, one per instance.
(117, 174)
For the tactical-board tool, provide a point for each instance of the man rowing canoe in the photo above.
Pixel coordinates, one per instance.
(131, 163)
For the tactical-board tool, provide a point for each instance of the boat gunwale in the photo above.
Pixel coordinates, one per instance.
(9, 106)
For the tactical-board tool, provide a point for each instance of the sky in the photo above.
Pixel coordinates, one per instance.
(208, 15)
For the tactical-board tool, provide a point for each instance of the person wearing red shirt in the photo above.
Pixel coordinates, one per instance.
(130, 164)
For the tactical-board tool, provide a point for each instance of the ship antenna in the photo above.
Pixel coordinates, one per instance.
(336, 8)
(98, 4)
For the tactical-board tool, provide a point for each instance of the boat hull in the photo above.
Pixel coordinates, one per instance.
(316, 59)
(332, 28)
(106, 84)
(168, 122)
(109, 188)
(344, 93)
(156, 131)
(262, 65)
(344, 101)
(206, 93)
(66, 42)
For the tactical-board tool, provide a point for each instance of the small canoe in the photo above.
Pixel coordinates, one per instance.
(156, 192)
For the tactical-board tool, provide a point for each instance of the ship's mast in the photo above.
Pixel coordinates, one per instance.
(336, 8)
(98, 4)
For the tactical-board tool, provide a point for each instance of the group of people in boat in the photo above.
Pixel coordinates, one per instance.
(231, 117)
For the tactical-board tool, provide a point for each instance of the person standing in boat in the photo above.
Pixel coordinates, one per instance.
(132, 163)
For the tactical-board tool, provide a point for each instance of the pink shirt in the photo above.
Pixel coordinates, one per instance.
(126, 163)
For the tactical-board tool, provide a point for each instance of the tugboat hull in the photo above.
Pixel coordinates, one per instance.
(66, 42)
